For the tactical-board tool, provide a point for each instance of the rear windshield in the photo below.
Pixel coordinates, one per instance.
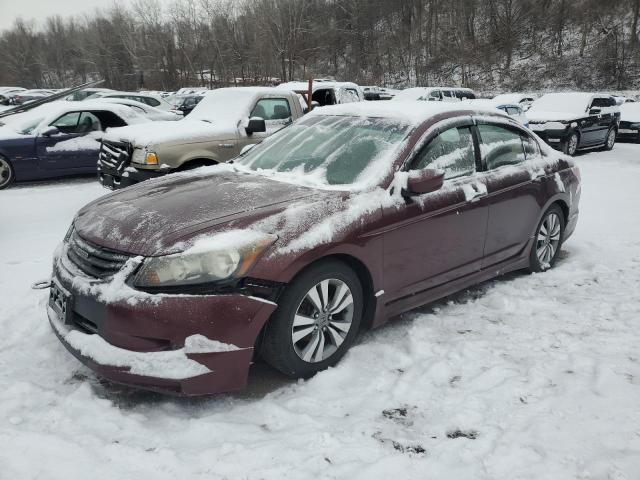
(330, 150)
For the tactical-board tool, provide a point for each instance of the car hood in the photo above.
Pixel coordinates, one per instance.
(157, 217)
(548, 116)
(174, 132)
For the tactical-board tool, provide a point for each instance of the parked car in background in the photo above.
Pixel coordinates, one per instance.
(26, 96)
(143, 109)
(178, 284)
(629, 122)
(524, 100)
(88, 92)
(325, 92)
(435, 94)
(150, 99)
(575, 120)
(186, 103)
(57, 139)
(218, 128)
(514, 110)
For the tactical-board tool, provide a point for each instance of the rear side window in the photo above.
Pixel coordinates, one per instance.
(451, 151)
(500, 146)
(152, 102)
(531, 148)
(272, 109)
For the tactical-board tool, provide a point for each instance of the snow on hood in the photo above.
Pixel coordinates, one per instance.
(560, 106)
(630, 112)
(183, 131)
(155, 217)
(549, 116)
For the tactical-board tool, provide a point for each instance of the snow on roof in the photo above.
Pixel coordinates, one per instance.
(514, 98)
(407, 111)
(317, 85)
(630, 112)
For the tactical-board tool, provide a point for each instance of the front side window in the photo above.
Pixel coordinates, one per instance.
(451, 151)
(272, 109)
(531, 148)
(88, 123)
(513, 111)
(67, 123)
(500, 146)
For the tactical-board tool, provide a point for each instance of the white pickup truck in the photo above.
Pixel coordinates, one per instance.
(218, 128)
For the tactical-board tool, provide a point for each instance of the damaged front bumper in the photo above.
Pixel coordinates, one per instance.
(174, 343)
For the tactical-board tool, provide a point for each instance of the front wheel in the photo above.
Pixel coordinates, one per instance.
(317, 320)
(571, 145)
(610, 140)
(6, 173)
(548, 240)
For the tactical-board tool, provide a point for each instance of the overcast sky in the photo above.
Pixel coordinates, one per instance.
(41, 9)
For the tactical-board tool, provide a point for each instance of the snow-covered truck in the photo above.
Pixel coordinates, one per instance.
(221, 125)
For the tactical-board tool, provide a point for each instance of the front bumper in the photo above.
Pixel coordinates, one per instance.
(113, 179)
(141, 341)
(554, 138)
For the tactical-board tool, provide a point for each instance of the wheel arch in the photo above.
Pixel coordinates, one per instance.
(196, 162)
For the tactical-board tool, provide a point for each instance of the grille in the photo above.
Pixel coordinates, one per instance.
(94, 260)
(116, 155)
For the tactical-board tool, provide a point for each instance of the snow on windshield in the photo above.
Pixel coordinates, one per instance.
(630, 112)
(330, 150)
(561, 102)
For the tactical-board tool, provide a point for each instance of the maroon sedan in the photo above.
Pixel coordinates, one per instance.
(352, 215)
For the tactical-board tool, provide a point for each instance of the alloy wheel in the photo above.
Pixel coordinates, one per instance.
(573, 144)
(322, 320)
(611, 138)
(5, 173)
(548, 239)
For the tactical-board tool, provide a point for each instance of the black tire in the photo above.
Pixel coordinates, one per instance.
(570, 147)
(7, 175)
(278, 345)
(536, 263)
(610, 140)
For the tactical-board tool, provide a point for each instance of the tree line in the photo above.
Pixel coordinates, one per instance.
(482, 44)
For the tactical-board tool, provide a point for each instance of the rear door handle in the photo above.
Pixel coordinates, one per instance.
(479, 191)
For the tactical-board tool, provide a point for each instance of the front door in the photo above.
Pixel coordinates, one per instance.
(75, 148)
(437, 237)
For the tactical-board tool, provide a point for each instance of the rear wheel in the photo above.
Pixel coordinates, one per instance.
(6, 173)
(317, 320)
(548, 240)
(610, 141)
(571, 145)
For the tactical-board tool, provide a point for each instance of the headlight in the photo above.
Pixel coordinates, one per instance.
(141, 156)
(220, 257)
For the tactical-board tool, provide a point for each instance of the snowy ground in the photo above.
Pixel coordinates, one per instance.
(535, 376)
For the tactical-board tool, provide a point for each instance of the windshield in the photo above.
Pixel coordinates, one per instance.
(330, 150)
(562, 102)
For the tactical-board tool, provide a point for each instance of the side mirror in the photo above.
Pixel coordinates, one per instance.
(49, 131)
(594, 111)
(255, 125)
(423, 181)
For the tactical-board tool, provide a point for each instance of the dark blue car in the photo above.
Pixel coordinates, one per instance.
(57, 139)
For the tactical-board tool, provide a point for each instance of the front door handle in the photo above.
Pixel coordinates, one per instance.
(226, 145)
(475, 191)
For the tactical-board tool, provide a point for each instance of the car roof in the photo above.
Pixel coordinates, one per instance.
(317, 85)
(412, 112)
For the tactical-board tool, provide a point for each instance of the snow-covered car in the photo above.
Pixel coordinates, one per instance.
(150, 99)
(629, 122)
(524, 100)
(325, 92)
(219, 127)
(514, 110)
(152, 113)
(350, 216)
(572, 121)
(435, 94)
(86, 93)
(57, 139)
(26, 96)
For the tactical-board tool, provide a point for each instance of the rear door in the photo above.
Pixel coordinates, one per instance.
(515, 189)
